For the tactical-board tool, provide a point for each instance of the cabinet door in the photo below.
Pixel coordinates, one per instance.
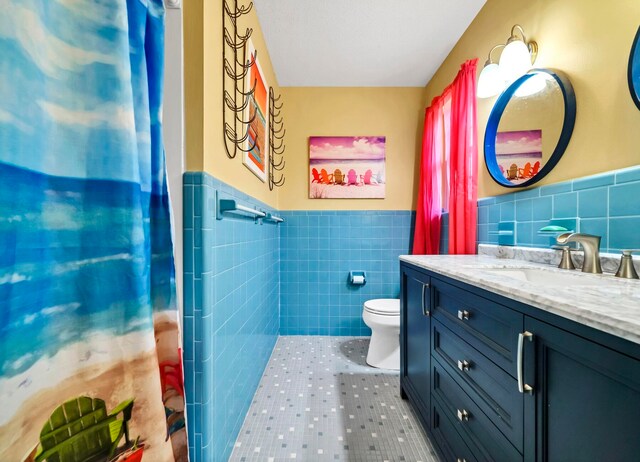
(415, 345)
(586, 398)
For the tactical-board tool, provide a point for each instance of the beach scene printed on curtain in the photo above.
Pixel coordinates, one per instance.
(347, 167)
(519, 154)
(90, 366)
(256, 146)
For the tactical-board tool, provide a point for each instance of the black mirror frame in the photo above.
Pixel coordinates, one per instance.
(569, 99)
(633, 56)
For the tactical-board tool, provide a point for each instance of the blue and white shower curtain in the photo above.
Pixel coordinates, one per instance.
(90, 365)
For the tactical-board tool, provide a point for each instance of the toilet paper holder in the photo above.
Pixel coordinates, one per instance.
(357, 278)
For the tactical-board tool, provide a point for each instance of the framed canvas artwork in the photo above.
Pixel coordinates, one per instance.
(256, 146)
(347, 167)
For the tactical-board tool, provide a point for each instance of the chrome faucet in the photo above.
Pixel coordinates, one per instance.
(590, 245)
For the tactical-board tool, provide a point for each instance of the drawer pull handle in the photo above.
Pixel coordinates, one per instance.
(463, 415)
(425, 312)
(463, 315)
(522, 387)
(461, 460)
(464, 365)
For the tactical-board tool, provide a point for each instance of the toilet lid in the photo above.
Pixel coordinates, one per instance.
(385, 306)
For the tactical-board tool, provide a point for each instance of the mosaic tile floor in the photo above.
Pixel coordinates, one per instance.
(318, 401)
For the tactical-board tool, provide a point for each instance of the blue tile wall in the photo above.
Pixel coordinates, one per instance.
(607, 204)
(231, 313)
(319, 248)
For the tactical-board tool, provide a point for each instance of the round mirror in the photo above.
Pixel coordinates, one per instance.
(633, 73)
(529, 128)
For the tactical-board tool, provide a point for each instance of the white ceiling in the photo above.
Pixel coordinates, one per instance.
(369, 43)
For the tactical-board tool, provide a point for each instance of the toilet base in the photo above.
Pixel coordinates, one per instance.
(384, 352)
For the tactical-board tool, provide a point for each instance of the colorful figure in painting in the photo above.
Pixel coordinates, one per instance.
(366, 178)
(526, 171)
(536, 169)
(325, 178)
(352, 177)
(512, 173)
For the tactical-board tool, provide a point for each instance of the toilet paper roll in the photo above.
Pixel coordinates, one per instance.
(357, 280)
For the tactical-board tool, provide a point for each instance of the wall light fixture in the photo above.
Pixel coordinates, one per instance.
(516, 59)
(491, 82)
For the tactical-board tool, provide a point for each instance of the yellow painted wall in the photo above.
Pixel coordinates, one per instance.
(203, 96)
(193, 83)
(397, 113)
(590, 41)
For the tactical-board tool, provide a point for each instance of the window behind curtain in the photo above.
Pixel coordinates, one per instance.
(446, 142)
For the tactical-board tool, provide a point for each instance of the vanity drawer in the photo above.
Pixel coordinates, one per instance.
(488, 326)
(451, 444)
(492, 389)
(474, 424)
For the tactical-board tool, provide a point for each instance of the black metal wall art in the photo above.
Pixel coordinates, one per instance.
(235, 67)
(276, 140)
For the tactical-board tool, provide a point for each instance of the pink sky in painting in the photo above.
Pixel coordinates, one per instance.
(519, 142)
(347, 147)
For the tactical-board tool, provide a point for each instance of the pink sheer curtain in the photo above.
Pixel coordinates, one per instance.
(463, 162)
(429, 211)
(449, 168)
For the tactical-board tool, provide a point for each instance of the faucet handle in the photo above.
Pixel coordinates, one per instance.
(626, 269)
(566, 262)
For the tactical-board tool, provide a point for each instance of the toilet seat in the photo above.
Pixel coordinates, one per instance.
(383, 306)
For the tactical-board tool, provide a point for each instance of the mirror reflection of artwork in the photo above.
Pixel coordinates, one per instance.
(256, 146)
(347, 167)
(519, 154)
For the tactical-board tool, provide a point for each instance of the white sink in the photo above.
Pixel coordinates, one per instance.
(544, 276)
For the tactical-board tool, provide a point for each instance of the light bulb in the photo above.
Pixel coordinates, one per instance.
(490, 82)
(515, 60)
(533, 85)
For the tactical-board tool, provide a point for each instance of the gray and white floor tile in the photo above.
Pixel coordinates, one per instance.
(318, 400)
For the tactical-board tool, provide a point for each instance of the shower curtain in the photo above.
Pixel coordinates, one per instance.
(90, 365)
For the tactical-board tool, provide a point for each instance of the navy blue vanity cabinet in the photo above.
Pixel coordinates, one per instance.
(585, 402)
(505, 381)
(415, 352)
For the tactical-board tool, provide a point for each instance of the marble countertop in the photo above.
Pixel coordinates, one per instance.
(602, 301)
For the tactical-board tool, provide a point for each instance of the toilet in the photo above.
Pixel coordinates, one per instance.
(382, 316)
